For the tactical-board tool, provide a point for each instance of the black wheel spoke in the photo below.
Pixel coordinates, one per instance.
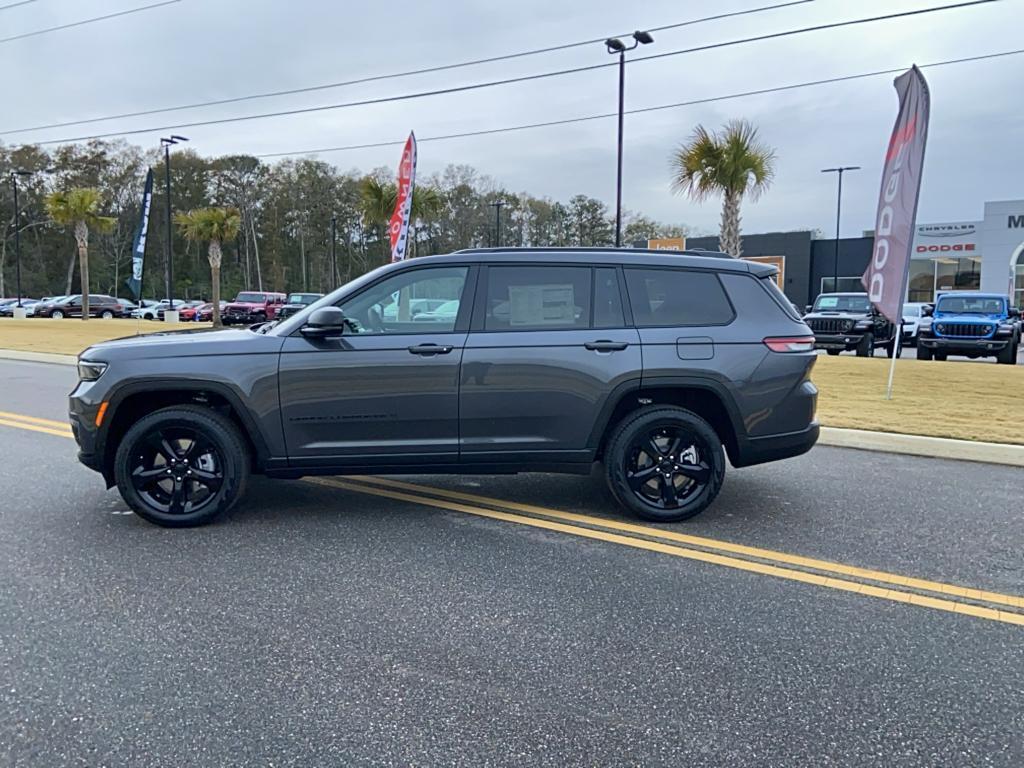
(668, 492)
(179, 497)
(699, 472)
(674, 444)
(641, 477)
(210, 480)
(650, 447)
(143, 479)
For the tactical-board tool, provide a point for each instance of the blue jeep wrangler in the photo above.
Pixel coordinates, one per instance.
(971, 324)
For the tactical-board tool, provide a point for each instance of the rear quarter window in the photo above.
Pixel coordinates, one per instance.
(677, 297)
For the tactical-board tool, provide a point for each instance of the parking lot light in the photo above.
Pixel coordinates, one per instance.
(17, 229)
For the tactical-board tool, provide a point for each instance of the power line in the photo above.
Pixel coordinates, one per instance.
(15, 5)
(511, 80)
(393, 75)
(676, 105)
(83, 21)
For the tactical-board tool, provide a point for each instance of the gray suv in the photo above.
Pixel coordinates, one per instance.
(542, 360)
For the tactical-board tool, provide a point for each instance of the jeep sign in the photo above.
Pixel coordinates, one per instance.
(886, 275)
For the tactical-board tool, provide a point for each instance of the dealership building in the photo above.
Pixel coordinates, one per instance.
(982, 254)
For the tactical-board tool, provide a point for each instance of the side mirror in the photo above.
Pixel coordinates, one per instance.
(1014, 312)
(926, 311)
(325, 322)
(808, 308)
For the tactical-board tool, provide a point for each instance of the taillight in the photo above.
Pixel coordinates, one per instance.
(790, 343)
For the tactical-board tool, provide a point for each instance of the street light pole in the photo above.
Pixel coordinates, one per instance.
(616, 46)
(17, 229)
(334, 252)
(839, 209)
(497, 222)
(168, 250)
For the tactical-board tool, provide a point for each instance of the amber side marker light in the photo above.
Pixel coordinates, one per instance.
(101, 413)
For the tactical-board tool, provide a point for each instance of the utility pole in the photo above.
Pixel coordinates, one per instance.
(17, 231)
(334, 252)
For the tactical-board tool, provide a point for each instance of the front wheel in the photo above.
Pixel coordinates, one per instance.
(833, 352)
(182, 466)
(866, 346)
(923, 353)
(57, 314)
(1007, 355)
(106, 314)
(664, 464)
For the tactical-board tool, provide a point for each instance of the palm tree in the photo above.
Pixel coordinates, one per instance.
(79, 208)
(377, 202)
(732, 163)
(214, 225)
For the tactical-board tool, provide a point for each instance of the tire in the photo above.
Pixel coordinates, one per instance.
(891, 350)
(866, 346)
(57, 314)
(833, 352)
(923, 353)
(1007, 355)
(148, 447)
(106, 314)
(685, 430)
(940, 356)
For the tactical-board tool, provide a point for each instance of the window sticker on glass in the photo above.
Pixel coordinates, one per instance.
(828, 302)
(541, 304)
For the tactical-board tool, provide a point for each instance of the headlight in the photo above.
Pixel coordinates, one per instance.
(1005, 328)
(90, 370)
(864, 324)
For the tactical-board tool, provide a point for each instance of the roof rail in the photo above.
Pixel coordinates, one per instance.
(600, 249)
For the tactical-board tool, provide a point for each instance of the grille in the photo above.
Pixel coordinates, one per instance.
(968, 330)
(830, 324)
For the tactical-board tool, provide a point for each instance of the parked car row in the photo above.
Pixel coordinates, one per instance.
(967, 323)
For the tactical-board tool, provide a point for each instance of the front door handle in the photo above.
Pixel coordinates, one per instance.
(431, 349)
(606, 346)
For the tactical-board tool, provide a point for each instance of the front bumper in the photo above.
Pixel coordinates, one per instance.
(977, 346)
(239, 318)
(841, 341)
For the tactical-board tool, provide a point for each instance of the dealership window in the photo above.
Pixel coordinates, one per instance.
(848, 284)
(921, 284)
(1018, 279)
(957, 274)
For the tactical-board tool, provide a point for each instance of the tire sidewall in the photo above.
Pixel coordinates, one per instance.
(218, 430)
(57, 314)
(617, 454)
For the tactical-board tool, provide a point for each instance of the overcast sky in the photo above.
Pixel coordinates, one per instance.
(197, 50)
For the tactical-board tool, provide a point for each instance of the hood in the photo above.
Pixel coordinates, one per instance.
(245, 304)
(837, 314)
(972, 317)
(183, 344)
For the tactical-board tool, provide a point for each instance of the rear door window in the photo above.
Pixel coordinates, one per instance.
(531, 298)
(677, 297)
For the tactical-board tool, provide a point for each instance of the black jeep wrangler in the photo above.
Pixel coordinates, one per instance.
(845, 322)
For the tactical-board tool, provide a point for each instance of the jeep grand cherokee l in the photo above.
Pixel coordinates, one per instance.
(659, 366)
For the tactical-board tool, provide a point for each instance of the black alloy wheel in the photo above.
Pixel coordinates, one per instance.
(664, 464)
(182, 466)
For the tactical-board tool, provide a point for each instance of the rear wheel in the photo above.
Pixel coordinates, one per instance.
(57, 314)
(106, 314)
(182, 466)
(664, 464)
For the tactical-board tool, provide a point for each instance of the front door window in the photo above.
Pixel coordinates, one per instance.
(414, 301)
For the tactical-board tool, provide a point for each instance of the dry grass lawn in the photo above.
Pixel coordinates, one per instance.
(70, 336)
(966, 400)
(972, 400)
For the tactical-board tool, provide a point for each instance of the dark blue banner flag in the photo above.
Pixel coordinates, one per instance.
(134, 283)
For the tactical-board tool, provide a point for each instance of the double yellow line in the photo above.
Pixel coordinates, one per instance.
(982, 604)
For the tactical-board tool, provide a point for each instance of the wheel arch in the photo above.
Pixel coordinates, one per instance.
(132, 401)
(707, 398)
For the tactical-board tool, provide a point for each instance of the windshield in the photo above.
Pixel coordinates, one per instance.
(302, 298)
(835, 303)
(970, 305)
(251, 298)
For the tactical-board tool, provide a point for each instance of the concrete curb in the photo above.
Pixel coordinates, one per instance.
(38, 357)
(920, 445)
(886, 442)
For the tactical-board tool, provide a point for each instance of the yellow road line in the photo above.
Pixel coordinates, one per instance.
(709, 557)
(723, 546)
(34, 420)
(36, 428)
(750, 566)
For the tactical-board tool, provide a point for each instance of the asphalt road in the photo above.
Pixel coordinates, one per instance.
(329, 626)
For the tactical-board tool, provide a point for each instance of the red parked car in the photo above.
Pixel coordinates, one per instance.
(252, 307)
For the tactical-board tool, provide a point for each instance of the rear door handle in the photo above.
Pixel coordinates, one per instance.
(606, 346)
(431, 349)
